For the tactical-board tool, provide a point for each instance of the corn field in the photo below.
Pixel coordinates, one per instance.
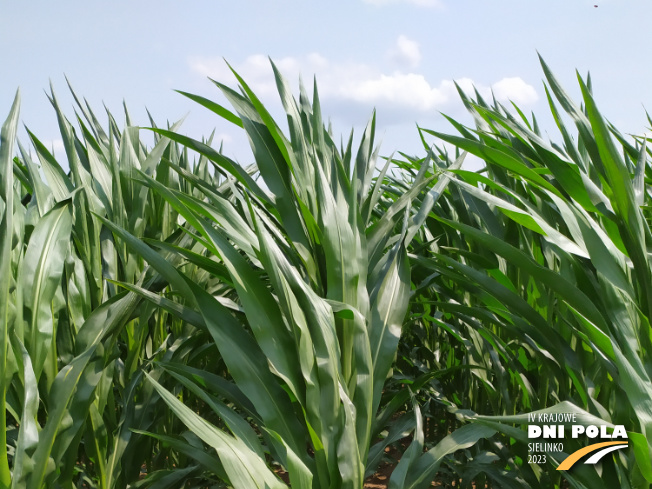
(324, 317)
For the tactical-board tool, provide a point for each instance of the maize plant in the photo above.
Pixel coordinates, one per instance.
(73, 343)
(534, 287)
(322, 283)
(170, 317)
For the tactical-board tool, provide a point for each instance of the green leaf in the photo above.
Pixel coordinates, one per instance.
(246, 470)
(40, 278)
(425, 468)
(7, 138)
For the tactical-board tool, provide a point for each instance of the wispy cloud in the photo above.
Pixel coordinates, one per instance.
(406, 52)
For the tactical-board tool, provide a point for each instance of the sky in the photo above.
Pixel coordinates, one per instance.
(400, 57)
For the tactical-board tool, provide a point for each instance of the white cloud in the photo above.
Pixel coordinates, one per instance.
(223, 138)
(409, 90)
(516, 90)
(406, 52)
(56, 147)
(418, 3)
(349, 87)
(256, 70)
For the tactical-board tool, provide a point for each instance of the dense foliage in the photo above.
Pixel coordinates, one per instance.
(321, 318)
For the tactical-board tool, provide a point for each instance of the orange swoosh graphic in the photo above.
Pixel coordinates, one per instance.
(575, 456)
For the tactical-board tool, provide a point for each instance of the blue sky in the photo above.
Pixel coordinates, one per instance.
(399, 56)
